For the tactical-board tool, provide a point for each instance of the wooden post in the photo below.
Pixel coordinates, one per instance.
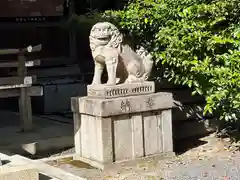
(25, 107)
(72, 46)
(72, 35)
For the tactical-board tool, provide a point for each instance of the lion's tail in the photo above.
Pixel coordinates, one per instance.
(147, 62)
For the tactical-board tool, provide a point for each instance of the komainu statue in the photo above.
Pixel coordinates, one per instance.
(123, 65)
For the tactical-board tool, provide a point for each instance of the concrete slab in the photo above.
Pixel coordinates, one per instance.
(25, 172)
(9, 163)
(48, 134)
(52, 172)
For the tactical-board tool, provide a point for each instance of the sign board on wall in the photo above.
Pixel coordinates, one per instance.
(30, 8)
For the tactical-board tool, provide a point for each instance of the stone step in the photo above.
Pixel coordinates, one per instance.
(25, 172)
(45, 169)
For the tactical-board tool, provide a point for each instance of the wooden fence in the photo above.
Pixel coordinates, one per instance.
(20, 85)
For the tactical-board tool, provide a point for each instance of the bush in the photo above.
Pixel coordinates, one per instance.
(198, 43)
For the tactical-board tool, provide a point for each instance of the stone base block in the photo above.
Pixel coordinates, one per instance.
(18, 173)
(103, 136)
(122, 105)
(61, 93)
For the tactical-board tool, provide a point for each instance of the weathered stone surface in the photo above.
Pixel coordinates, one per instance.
(121, 61)
(122, 129)
(122, 105)
(18, 173)
(105, 140)
(121, 90)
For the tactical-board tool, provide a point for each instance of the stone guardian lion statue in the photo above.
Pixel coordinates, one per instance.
(123, 65)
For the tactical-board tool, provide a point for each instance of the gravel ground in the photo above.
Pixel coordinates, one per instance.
(211, 160)
(224, 166)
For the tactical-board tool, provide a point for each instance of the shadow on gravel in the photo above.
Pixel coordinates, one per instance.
(43, 154)
(182, 146)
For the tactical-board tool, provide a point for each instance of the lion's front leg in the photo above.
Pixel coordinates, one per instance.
(111, 64)
(98, 70)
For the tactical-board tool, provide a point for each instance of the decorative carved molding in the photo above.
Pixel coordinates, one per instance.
(121, 90)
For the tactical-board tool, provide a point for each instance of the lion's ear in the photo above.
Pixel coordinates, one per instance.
(116, 39)
(120, 38)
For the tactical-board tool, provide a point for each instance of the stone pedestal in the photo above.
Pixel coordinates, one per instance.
(116, 129)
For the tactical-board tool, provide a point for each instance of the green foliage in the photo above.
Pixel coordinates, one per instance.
(197, 41)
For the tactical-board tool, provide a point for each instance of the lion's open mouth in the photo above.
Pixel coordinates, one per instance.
(104, 38)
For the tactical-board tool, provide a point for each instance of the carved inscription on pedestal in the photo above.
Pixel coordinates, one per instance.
(150, 102)
(125, 105)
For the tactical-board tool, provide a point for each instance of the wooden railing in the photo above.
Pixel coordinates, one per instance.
(21, 84)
